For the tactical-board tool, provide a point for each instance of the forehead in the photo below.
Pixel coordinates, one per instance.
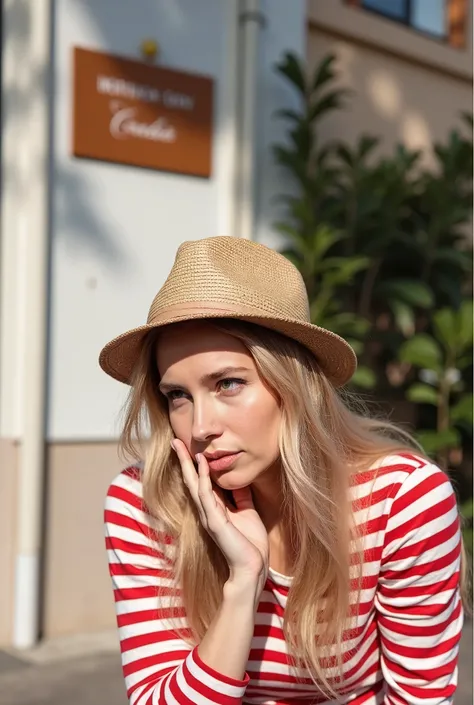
(198, 343)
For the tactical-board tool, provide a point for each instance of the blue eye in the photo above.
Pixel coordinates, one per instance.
(231, 384)
(175, 394)
(227, 385)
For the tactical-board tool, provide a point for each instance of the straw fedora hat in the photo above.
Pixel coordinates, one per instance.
(230, 277)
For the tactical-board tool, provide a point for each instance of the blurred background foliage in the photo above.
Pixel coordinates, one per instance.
(385, 248)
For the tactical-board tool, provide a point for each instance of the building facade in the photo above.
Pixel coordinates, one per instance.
(86, 243)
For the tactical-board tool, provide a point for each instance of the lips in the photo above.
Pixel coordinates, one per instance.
(221, 460)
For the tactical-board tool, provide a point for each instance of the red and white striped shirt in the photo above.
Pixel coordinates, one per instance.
(403, 650)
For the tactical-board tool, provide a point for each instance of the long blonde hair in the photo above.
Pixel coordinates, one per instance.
(324, 439)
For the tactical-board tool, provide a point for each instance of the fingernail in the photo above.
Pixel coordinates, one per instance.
(173, 446)
(198, 457)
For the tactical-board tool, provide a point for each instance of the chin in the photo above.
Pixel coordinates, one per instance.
(231, 481)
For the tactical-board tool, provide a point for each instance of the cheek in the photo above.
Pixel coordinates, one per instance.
(261, 420)
(181, 425)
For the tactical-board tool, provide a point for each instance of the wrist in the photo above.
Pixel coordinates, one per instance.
(243, 589)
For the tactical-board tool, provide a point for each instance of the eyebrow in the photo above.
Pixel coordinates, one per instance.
(224, 372)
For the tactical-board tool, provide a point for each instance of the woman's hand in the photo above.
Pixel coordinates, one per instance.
(238, 531)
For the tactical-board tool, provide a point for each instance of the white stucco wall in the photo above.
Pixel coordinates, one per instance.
(116, 228)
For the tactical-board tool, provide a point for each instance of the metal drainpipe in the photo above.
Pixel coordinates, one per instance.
(251, 20)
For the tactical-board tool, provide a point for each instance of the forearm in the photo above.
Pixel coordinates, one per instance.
(226, 645)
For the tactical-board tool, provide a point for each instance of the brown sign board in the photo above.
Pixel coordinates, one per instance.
(130, 112)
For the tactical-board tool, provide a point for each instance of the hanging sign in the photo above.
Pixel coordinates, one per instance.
(130, 112)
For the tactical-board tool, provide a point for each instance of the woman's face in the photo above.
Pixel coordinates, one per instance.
(218, 404)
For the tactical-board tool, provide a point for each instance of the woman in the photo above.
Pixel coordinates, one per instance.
(273, 546)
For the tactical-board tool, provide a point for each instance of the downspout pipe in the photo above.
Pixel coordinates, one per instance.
(251, 21)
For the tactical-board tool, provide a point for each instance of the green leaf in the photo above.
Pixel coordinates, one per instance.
(343, 269)
(321, 307)
(422, 351)
(292, 256)
(287, 229)
(422, 394)
(356, 345)
(410, 291)
(323, 239)
(323, 154)
(444, 323)
(455, 328)
(449, 288)
(434, 441)
(324, 72)
(287, 157)
(404, 316)
(463, 410)
(364, 378)
(464, 361)
(352, 324)
(465, 323)
(467, 117)
(302, 137)
(300, 210)
(366, 145)
(291, 67)
(331, 101)
(288, 115)
(353, 329)
(467, 535)
(345, 154)
(450, 255)
(467, 508)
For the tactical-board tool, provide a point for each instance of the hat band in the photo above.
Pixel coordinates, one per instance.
(193, 309)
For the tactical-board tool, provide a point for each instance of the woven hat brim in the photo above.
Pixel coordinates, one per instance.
(335, 356)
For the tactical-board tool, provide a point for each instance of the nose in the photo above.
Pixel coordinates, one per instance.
(206, 423)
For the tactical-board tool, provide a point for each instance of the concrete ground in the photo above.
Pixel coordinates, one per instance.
(85, 670)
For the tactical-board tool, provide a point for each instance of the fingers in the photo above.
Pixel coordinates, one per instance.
(211, 511)
(187, 466)
(219, 520)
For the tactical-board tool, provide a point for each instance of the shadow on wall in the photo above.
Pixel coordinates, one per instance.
(78, 223)
(272, 90)
(78, 220)
(393, 98)
(84, 222)
(81, 221)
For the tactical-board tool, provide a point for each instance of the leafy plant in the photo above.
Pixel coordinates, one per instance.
(381, 244)
(467, 530)
(440, 359)
(314, 228)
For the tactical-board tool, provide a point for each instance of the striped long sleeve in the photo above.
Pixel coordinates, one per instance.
(402, 649)
(419, 612)
(159, 668)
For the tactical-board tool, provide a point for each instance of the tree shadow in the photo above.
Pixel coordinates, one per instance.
(73, 216)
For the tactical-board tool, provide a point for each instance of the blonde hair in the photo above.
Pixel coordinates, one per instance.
(325, 437)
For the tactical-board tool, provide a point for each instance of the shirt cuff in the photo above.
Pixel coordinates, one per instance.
(232, 687)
